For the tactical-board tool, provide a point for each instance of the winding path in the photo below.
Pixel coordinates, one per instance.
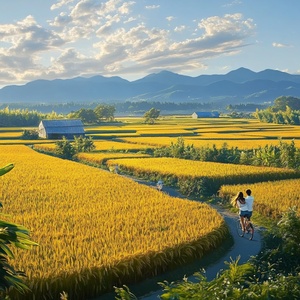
(242, 247)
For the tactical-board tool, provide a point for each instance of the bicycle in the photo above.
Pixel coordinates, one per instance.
(249, 228)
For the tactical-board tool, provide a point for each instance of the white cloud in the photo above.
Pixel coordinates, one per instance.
(95, 37)
(152, 6)
(233, 3)
(129, 20)
(170, 18)
(108, 26)
(179, 28)
(280, 45)
(60, 3)
(125, 8)
(27, 42)
(27, 37)
(61, 20)
(233, 25)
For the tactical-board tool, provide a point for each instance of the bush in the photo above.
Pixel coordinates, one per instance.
(30, 134)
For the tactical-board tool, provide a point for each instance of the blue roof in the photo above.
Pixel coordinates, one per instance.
(70, 126)
(207, 113)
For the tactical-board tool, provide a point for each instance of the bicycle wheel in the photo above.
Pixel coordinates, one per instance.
(239, 228)
(250, 230)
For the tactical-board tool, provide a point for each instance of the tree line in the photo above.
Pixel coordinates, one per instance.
(128, 107)
(286, 110)
(283, 155)
(24, 117)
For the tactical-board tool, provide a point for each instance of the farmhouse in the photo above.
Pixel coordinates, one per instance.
(205, 114)
(56, 129)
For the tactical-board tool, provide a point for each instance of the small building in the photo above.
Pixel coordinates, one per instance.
(56, 129)
(205, 114)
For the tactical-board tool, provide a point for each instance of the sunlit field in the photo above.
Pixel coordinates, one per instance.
(10, 135)
(96, 229)
(114, 145)
(17, 141)
(109, 145)
(240, 133)
(99, 159)
(205, 177)
(240, 143)
(271, 198)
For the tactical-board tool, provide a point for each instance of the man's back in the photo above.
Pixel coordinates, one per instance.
(249, 201)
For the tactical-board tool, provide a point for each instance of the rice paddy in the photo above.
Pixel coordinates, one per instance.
(72, 208)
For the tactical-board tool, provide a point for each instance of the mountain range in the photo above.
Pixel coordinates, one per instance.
(238, 86)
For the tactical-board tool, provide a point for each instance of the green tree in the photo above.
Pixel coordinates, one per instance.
(282, 102)
(151, 115)
(105, 112)
(82, 144)
(65, 149)
(87, 116)
(30, 134)
(289, 231)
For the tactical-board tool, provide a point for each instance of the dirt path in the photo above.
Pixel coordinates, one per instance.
(242, 247)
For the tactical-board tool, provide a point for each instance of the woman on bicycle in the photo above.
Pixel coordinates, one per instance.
(240, 202)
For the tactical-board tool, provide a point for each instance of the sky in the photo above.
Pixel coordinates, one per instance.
(43, 39)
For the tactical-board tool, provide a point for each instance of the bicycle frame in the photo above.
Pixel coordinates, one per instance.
(249, 229)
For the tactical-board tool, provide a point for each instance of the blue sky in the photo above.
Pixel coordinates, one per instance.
(42, 39)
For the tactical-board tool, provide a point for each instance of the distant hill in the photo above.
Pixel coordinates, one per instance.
(238, 86)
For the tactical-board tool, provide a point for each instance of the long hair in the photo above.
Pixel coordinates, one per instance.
(239, 197)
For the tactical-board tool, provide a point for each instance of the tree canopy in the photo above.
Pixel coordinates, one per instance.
(151, 115)
(105, 112)
(281, 103)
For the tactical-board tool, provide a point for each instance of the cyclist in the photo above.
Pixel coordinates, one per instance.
(240, 202)
(249, 201)
(159, 185)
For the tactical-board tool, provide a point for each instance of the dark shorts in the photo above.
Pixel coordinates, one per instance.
(249, 214)
(244, 213)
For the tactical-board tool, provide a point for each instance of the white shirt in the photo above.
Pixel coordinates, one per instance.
(249, 202)
(242, 206)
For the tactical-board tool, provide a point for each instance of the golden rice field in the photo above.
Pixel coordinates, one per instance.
(198, 142)
(210, 176)
(98, 159)
(96, 229)
(110, 135)
(45, 147)
(117, 146)
(241, 133)
(18, 141)
(152, 141)
(271, 198)
(182, 167)
(100, 146)
(238, 143)
(10, 135)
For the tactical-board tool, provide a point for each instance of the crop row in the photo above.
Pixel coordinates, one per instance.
(99, 159)
(209, 140)
(99, 146)
(199, 178)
